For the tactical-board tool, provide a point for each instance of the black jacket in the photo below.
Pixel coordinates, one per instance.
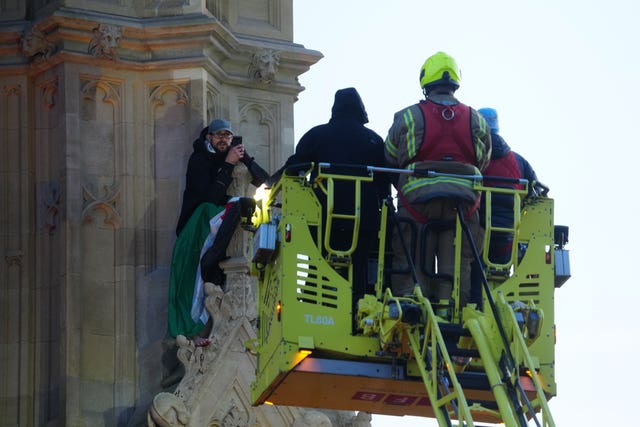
(345, 140)
(209, 177)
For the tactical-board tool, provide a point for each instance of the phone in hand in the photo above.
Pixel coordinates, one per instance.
(237, 140)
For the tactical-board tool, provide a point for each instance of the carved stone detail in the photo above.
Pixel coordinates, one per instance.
(361, 419)
(12, 90)
(49, 89)
(105, 203)
(263, 118)
(167, 410)
(235, 415)
(213, 107)
(312, 418)
(14, 258)
(110, 89)
(105, 41)
(51, 203)
(267, 111)
(35, 45)
(82, 89)
(264, 66)
(157, 92)
(195, 360)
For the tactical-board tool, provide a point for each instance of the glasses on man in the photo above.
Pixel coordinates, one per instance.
(222, 135)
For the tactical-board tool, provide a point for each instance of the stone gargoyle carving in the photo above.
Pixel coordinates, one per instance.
(264, 66)
(35, 45)
(106, 39)
(167, 410)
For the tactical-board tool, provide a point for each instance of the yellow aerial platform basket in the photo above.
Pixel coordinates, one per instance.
(391, 354)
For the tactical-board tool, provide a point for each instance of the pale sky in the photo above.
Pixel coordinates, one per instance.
(563, 77)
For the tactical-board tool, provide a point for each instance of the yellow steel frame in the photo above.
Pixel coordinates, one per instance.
(305, 317)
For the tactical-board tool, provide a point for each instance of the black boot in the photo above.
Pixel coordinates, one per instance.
(210, 262)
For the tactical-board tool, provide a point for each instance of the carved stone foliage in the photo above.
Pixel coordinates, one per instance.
(35, 45)
(234, 415)
(203, 362)
(106, 203)
(221, 308)
(105, 41)
(209, 366)
(264, 66)
(13, 258)
(12, 90)
(50, 200)
(312, 419)
(328, 418)
(48, 89)
(361, 419)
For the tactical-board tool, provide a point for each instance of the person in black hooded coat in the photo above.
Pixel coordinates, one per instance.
(345, 140)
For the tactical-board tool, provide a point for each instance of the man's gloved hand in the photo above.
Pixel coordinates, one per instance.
(258, 174)
(246, 159)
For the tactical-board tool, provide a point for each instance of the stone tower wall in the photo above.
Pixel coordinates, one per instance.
(100, 101)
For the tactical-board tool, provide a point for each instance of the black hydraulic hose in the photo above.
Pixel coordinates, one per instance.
(405, 247)
(494, 310)
(485, 282)
(444, 382)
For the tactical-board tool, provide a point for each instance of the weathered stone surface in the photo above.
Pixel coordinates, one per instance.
(100, 102)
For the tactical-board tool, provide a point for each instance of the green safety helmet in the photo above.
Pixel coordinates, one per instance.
(438, 69)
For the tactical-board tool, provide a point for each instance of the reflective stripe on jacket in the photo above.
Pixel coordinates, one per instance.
(407, 135)
(448, 138)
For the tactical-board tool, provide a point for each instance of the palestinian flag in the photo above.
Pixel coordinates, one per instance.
(185, 272)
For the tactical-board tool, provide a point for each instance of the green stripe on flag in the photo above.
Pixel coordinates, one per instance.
(184, 266)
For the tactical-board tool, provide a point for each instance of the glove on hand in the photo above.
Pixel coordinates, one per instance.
(246, 159)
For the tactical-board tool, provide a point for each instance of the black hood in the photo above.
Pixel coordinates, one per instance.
(348, 104)
(198, 144)
(499, 147)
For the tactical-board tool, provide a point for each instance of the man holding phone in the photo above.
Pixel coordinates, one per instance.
(209, 174)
